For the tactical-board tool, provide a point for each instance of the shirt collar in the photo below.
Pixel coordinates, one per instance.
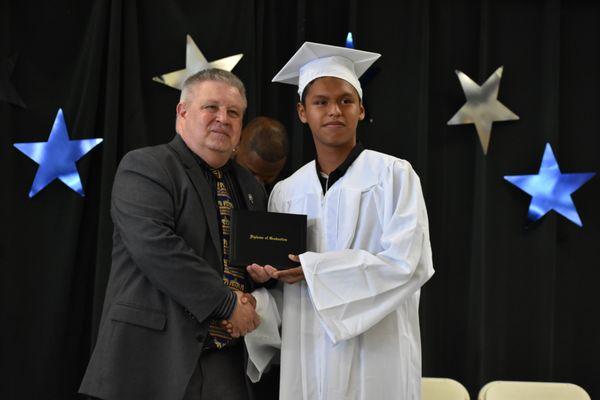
(327, 182)
(225, 168)
(343, 167)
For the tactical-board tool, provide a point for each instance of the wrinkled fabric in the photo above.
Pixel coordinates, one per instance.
(351, 330)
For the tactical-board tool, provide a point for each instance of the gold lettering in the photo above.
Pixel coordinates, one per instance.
(270, 238)
(277, 239)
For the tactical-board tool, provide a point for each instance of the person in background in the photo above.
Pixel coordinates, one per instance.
(263, 149)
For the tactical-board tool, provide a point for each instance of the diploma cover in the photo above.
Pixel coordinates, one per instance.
(266, 238)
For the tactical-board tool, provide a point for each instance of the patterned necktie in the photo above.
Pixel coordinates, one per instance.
(232, 276)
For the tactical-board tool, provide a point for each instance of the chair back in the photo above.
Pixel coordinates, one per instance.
(442, 389)
(509, 390)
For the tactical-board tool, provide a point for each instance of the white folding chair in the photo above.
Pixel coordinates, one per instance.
(442, 389)
(513, 390)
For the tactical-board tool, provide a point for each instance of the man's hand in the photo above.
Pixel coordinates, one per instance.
(243, 319)
(248, 298)
(258, 273)
(262, 274)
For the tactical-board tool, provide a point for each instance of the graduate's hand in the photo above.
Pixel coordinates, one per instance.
(291, 275)
(244, 318)
(248, 298)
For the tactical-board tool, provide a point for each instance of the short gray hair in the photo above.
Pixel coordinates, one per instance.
(213, 74)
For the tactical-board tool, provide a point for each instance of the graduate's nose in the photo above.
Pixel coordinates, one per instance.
(334, 109)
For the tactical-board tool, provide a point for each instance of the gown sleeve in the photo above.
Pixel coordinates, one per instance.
(264, 342)
(354, 289)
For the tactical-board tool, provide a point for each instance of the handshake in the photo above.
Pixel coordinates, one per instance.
(244, 318)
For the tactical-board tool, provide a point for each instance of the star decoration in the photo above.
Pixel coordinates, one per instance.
(482, 107)
(8, 92)
(349, 41)
(365, 78)
(194, 62)
(550, 189)
(57, 157)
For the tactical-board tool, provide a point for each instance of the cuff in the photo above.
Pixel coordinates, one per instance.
(225, 309)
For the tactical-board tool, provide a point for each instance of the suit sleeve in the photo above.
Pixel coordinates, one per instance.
(143, 211)
(353, 289)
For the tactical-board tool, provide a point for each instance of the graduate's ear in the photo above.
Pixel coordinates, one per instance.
(301, 112)
(361, 116)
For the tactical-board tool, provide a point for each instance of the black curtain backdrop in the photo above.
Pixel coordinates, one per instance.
(511, 300)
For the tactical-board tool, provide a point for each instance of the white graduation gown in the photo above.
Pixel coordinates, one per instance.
(351, 330)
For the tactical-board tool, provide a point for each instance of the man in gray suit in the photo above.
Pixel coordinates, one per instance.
(171, 284)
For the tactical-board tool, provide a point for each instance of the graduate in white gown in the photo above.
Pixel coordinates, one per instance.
(348, 316)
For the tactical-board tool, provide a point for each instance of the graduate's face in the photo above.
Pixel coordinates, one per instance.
(210, 118)
(332, 109)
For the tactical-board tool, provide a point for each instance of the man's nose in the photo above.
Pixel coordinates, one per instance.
(222, 115)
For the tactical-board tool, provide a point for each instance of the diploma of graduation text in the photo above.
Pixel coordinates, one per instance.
(266, 238)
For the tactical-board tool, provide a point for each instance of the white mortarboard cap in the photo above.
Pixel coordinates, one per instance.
(315, 60)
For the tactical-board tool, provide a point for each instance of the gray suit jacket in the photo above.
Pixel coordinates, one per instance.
(166, 277)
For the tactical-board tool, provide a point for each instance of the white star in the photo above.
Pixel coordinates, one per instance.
(194, 62)
(482, 106)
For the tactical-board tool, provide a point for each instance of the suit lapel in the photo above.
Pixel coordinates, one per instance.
(194, 172)
(252, 198)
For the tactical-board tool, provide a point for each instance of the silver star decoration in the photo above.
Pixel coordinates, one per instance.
(8, 92)
(194, 62)
(482, 106)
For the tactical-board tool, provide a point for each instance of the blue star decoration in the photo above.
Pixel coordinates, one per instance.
(550, 189)
(57, 157)
(349, 41)
(365, 78)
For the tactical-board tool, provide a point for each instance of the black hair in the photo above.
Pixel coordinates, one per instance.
(307, 88)
(305, 92)
(268, 139)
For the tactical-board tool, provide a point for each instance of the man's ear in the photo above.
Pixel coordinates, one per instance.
(180, 109)
(361, 116)
(301, 112)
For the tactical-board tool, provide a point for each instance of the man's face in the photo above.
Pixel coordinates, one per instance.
(265, 171)
(210, 120)
(332, 110)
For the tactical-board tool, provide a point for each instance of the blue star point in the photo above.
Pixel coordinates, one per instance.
(349, 41)
(550, 189)
(57, 157)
